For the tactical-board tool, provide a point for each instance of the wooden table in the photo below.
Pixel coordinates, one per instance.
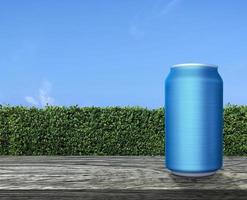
(114, 177)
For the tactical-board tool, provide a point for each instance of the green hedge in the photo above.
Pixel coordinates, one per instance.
(235, 130)
(100, 131)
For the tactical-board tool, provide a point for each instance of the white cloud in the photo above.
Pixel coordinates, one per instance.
(31, 101)
(148, 15)
(168, 7)
(44, 94)
(44, 97)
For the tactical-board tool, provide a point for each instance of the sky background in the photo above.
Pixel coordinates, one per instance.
(116, 52)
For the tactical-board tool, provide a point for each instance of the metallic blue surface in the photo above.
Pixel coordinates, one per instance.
(194, 119)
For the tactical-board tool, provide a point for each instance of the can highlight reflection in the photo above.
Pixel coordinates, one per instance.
(194, 119)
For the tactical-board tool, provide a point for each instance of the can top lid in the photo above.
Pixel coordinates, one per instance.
(194, 65)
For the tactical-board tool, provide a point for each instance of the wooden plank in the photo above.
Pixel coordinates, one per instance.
(110, 176)
(123, 194)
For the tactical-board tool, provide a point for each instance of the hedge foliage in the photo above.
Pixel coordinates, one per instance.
(100, 131)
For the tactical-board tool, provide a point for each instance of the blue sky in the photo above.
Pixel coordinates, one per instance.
(115, 52)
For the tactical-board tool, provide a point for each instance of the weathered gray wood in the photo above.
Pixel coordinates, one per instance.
(127, 177)
(123, 194)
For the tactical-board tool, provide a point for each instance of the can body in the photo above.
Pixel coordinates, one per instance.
(194, 120)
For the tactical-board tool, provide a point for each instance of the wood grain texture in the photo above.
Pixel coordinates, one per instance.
(128, 177)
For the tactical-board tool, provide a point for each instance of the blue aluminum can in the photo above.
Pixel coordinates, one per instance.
(194, 119)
